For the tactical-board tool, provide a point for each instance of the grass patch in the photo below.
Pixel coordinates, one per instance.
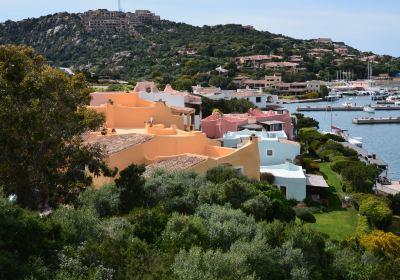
(333, 179)
(338, 225)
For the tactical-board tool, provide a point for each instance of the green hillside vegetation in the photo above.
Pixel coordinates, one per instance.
(152, 52)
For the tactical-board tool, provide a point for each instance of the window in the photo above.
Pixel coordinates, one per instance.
(283, 190)
(269, 153)
(239, 168)
(258, 99)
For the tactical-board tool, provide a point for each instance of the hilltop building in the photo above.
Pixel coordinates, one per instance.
(104, 20)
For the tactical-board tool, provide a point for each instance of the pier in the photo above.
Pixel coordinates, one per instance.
(388, 120)
(366, 156)
(345, 108)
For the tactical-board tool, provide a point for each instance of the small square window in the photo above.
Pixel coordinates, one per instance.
(258, 99)
(269, 153)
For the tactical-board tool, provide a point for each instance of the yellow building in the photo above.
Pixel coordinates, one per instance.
(127, 110)
(170, 148)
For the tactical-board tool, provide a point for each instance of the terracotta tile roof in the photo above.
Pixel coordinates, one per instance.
(116, 143)
(174, 164)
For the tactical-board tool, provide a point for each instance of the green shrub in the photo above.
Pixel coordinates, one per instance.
(377, 212)
(363, 226)
(104, 201)
(327, 154)
(267, 177)
(339, 165)
(310, 165)
(305, 215)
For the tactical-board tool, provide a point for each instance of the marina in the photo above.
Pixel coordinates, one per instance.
(384, 120)
(345, 108)
(381, 140)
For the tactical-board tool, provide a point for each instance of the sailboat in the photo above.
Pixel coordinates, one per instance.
(369, 109)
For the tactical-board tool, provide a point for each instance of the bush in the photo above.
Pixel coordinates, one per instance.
(148, 224)
(363, 226)
(339, 165)
(267, 177)
(130, 184)
(395, 203)
(221, 174)
(386, 244)
(310, 165)
(260, 207)
(104, 201)
(305, 215)
(184, 232)
(377, 212)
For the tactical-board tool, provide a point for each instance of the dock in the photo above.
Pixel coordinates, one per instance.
(393, 188)
(387, 120)
(345, 108)
(366, 156)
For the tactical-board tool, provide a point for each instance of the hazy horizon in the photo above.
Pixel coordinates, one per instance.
(366, 25)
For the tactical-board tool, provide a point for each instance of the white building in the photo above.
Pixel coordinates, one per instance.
(257, 97)
(289, 178)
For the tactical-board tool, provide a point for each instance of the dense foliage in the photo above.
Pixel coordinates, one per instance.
(189, 227)
(42, 118)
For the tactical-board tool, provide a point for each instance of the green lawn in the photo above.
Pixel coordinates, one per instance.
(338, 223)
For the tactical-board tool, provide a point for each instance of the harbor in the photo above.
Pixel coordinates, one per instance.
(345, 108)
(383, 120)
(379, 140)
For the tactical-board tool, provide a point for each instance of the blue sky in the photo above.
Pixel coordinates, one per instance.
(364, 24)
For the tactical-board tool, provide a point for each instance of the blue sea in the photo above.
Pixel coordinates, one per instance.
(381, 139)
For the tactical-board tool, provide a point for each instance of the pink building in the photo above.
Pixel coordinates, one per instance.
(217, 124)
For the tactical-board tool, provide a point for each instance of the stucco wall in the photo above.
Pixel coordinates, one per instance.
(296, 187)
(281, 152)
(197, 144)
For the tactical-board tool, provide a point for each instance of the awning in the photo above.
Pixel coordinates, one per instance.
(182, 110)
(316, 181)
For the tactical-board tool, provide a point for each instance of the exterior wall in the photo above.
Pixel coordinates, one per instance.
(193, 143)
(129, 111)
(171, 100)
(281, 152)
(296, 187)
(245, 158)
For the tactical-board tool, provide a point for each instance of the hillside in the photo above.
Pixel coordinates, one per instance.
(178, 53)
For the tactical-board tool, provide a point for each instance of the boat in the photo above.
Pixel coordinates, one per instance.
(333, 96)
(369, 109)
(356, 141)
(347, 104)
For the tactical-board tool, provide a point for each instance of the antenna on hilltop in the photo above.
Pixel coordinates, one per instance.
(119, 6)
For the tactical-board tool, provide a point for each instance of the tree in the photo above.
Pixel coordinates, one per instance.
(130, 185)
(184, 232)
(43, 115)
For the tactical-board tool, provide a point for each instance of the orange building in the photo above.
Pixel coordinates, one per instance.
(170, 148)
(127, 110)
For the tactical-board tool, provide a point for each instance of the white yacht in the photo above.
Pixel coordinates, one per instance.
(369, 109)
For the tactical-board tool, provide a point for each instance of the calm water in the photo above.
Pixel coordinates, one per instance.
(382, 139)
